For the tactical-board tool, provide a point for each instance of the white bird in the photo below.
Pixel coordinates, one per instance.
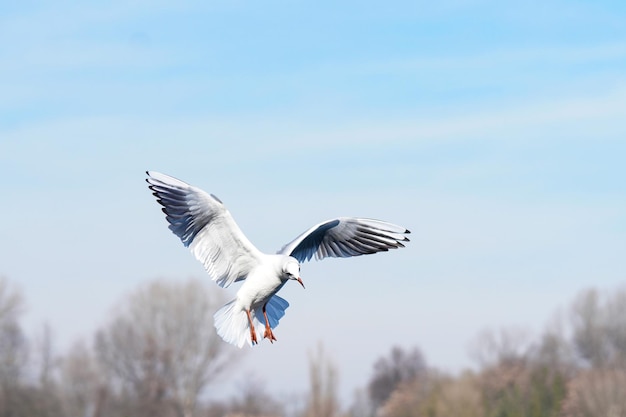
(203, 224)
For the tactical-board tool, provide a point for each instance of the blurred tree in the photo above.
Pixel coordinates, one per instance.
(599, 328)
(13, 345)
(411, 398)
(522, 389)
(20, 394)
(522, 379)
(44, 363)
(361, 405)
(45, 359)
(458, 397)
(507, 345)
(161, 344)
(389, 372)
(596, 393)
(553, 349)
(436, 396)
(322, 399)
(253, 401)
(589, 329)
(84, 389)
(13, 349)
(615, 316)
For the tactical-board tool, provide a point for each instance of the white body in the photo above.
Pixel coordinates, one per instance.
(258, 290)
(262, 282)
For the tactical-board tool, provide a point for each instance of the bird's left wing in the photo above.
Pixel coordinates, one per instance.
(204, 225)
(344, 237)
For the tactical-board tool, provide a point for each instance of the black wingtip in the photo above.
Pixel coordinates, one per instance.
(407, 231)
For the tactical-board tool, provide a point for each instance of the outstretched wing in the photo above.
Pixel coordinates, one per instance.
(204, 225)
(344, 237)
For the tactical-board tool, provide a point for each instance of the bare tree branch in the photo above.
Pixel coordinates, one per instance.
(161, 344)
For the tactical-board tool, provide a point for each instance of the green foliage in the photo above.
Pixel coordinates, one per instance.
(525, 390)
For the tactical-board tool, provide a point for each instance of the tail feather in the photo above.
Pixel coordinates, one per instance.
(231, 324)
(275, 310)
(231, 321)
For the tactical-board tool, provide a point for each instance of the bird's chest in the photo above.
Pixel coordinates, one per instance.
(259, 286)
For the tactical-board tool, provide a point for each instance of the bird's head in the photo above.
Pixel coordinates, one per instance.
(291, 270)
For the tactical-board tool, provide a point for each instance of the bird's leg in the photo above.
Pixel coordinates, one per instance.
(252, 332)
(268, 330)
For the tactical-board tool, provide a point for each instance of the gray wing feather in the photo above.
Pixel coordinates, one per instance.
(344, 237)
(204, 225)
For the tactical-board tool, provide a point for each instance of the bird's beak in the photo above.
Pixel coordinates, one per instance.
(300, 281)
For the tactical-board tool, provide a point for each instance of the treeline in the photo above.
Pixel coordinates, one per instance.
(575, 368)
(158, 353)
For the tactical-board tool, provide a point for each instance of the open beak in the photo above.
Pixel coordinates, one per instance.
(300, 281)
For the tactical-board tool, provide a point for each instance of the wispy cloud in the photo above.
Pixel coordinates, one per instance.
(502, 57)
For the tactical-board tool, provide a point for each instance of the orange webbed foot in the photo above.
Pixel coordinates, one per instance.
(268, 330)
(253, 337)
(269, 334)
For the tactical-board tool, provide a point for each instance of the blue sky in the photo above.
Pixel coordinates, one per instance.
(494, 131)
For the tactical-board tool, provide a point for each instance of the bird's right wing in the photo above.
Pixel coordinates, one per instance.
(344, 237)
(204, 225)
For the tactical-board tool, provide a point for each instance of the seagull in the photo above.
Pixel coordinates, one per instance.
(206, 227)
